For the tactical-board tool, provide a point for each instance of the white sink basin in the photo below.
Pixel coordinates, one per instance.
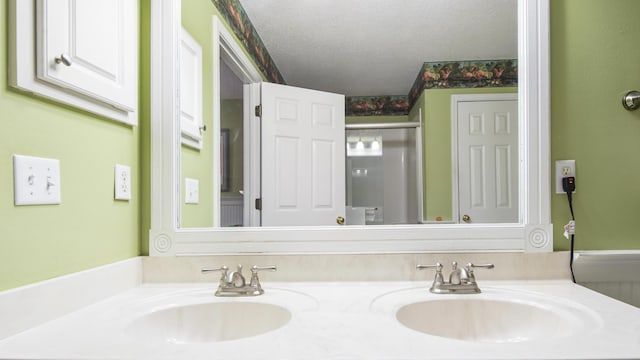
(484, 320)
(494, 316)
(210, 322)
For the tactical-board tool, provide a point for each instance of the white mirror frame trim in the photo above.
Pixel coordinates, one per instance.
(534, 234)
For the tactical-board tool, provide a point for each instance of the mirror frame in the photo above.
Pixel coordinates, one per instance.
(533, 234)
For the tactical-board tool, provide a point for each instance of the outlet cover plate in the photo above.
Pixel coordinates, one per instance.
(122, 182)
(564, 168)
(36, 180)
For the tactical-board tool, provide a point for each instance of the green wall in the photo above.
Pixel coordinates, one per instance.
(595, 59)
(198, 164)
(89, 228)
(231, 118)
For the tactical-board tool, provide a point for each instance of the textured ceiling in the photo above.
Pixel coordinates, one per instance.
(376, 47)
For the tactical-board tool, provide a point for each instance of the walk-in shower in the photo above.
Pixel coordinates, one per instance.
(384, 173)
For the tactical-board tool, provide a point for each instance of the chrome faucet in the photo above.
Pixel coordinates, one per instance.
(461, 280)
(233, 283)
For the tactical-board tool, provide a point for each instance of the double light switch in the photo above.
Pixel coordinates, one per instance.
(36, 180)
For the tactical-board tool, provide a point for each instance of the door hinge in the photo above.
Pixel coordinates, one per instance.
(258, 204)
(258, 110)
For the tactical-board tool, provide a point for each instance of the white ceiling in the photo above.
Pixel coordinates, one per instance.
(376, 47)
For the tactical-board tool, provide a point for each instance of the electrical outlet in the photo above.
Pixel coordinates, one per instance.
(191, 191)
(122, 182)
(564, 168)
(36, 181)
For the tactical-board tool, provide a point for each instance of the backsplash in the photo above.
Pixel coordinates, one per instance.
(360, 267)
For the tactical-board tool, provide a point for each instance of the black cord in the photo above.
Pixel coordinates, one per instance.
(570, 199)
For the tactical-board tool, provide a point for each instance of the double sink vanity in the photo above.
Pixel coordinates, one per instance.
(457, 315)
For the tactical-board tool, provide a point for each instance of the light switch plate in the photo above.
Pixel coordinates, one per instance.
(191, 191)
(36, 181)
(122, 182)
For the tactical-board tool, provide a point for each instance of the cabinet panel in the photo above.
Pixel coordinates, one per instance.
(85, 46)
(191, 90)
(99, 39)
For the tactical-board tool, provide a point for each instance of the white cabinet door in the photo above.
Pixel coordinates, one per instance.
(90, 47)
(190, 90)
(303, 156)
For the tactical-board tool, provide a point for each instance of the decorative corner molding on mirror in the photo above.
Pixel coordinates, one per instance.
(534, 233)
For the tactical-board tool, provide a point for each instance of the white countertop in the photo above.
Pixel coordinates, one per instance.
(330, 320)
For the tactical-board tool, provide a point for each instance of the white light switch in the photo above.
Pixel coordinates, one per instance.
(191, 191)
(36, 181)
(122, 182)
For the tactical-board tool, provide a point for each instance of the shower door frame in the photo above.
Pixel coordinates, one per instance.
(417, 125)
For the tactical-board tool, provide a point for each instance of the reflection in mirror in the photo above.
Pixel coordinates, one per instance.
(532, 233)
(231, 153)
(440, 180)
(383, 177)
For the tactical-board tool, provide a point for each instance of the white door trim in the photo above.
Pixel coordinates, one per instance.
(455, 99)
(225, 47)
(419, 169)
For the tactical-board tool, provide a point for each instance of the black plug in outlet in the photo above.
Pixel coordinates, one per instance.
(569, 184)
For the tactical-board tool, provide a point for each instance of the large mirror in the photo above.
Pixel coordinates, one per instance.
(178, 230)
(440, 179)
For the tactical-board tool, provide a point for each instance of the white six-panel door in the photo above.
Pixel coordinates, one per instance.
(303, 156)
(488, 161)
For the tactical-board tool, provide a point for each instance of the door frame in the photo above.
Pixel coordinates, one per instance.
(455, 100)
(226, 48)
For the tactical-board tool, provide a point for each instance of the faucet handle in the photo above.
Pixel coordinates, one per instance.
(471, 266)
(256, 268)
(254, 274)
(438, 266)
(224, 270)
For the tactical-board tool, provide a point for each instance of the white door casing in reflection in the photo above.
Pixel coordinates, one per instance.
(487, 137)
(303, 156)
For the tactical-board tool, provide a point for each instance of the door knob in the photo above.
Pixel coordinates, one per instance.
(466, 218)
(340, 220)
(63, 59)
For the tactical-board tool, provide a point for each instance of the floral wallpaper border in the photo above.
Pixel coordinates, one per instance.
(464, 74)
(242, 27)
(376, 105)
